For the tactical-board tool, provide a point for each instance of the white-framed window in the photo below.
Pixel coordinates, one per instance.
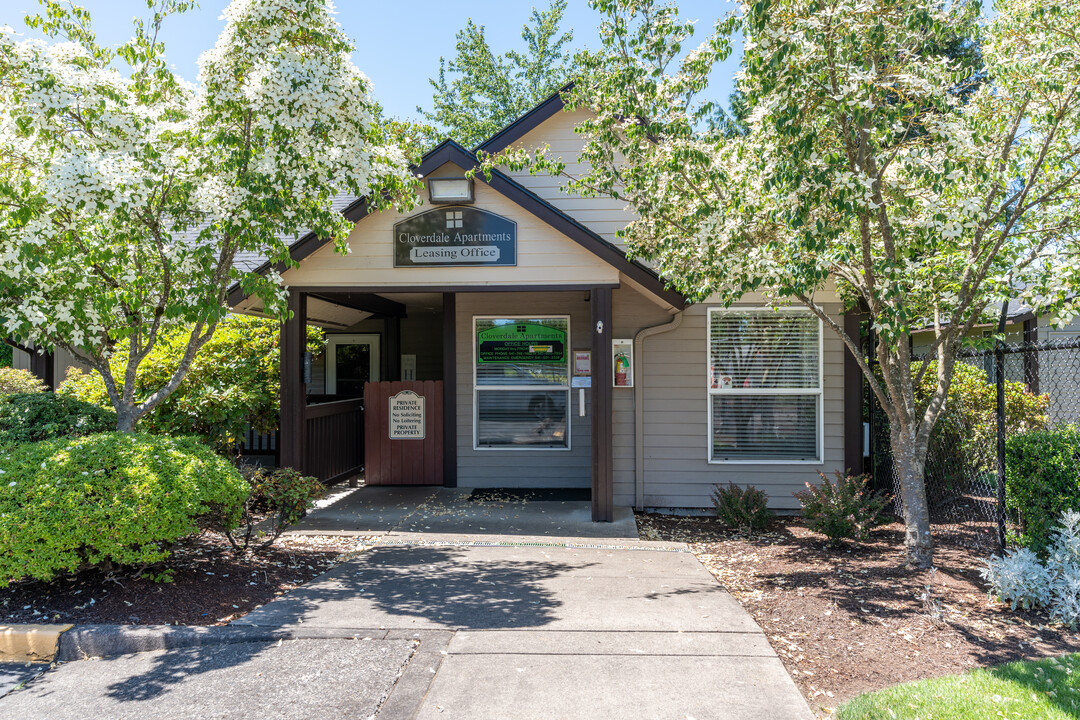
(764, 386)
(521, 383)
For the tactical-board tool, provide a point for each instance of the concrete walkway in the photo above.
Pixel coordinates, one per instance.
(523, 632)
(449, 513)
(478, 624)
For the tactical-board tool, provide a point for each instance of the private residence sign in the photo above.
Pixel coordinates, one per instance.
(455, 236)
(521, 343)
(407, 419)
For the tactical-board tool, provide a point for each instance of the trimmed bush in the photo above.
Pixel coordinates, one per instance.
(112, 499)
(963, 444)
(1042, 481)
(843, 510)
(279, 497)
(233, 381)
(44, 416)
(19, 381)
(743, 508)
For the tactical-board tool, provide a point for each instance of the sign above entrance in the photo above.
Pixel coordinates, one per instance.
(521, 343)
(455, 236)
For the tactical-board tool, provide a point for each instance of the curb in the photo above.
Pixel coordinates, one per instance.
(90, 641)
(30, 643)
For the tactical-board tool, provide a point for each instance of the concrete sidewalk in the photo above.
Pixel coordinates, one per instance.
(457, 631)
(394, 512)
(520, 632)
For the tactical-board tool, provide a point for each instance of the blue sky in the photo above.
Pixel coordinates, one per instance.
(398, 44)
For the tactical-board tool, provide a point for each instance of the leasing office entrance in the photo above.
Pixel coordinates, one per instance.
(503, 258)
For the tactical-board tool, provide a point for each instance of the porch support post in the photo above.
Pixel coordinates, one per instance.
(603, 500)
(292, 432)
(449, 348)
(393, 348)
(853, 398)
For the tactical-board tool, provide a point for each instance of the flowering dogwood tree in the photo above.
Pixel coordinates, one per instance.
(127, 194)
(922, 157)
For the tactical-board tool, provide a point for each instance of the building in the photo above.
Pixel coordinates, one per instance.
(546, 358)
(498, 336)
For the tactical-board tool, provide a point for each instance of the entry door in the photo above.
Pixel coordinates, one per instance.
(351, 361)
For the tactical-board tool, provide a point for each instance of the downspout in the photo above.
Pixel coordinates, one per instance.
(639, 403)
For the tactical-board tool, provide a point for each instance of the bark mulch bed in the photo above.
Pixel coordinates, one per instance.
(846, 620)
(211, 585)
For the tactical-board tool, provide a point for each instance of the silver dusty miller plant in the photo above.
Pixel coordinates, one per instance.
(1022, 580)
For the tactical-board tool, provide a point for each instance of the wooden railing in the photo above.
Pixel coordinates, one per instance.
(334, 447)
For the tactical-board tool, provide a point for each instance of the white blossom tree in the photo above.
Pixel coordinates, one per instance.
(126, 193)
(923, 157)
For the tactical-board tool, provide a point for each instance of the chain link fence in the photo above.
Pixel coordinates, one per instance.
(1034, 385)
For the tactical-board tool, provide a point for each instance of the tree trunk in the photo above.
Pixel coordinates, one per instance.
(126, 417)
(910, 465)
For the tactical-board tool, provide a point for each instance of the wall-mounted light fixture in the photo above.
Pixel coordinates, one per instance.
(451, 190)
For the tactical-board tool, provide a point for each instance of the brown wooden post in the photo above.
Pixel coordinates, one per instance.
(853, 398)
(393, 348)
(603, 499)
(292, 431)
(449, 348)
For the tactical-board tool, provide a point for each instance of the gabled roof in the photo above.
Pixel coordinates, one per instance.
(448, 151)
(527, 122)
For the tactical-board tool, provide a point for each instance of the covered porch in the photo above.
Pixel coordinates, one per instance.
(387, 340)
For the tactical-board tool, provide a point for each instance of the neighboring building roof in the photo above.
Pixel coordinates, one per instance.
(355, 208)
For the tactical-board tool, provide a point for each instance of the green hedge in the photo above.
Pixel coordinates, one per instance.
(44, 416)
(108, 499)
(1042, 480)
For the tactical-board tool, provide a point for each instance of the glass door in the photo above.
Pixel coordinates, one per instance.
(351, 360)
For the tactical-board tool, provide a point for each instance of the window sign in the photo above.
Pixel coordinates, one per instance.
(521, 342)
(582, 363)
(455, 236)
(522, 383)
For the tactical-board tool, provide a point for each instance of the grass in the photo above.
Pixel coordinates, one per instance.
(1048, 688)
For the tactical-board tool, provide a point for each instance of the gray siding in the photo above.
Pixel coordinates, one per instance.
(521, 468)
(630, 312)
(677, 471)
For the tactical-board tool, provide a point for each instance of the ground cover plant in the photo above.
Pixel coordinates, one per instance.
(742, 508)
(108, 500)
(277, 499)
(853, 620)
(1048, 688)
(845, 508)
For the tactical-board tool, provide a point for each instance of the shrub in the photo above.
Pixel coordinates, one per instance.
(279, 497)
(1042, 480)
(6, 356)
(963, 445)
(234, 380)
(845, 509)
(742, 508)
(108, 499)
(45, 416)
(19, 381)
(1020, 579)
